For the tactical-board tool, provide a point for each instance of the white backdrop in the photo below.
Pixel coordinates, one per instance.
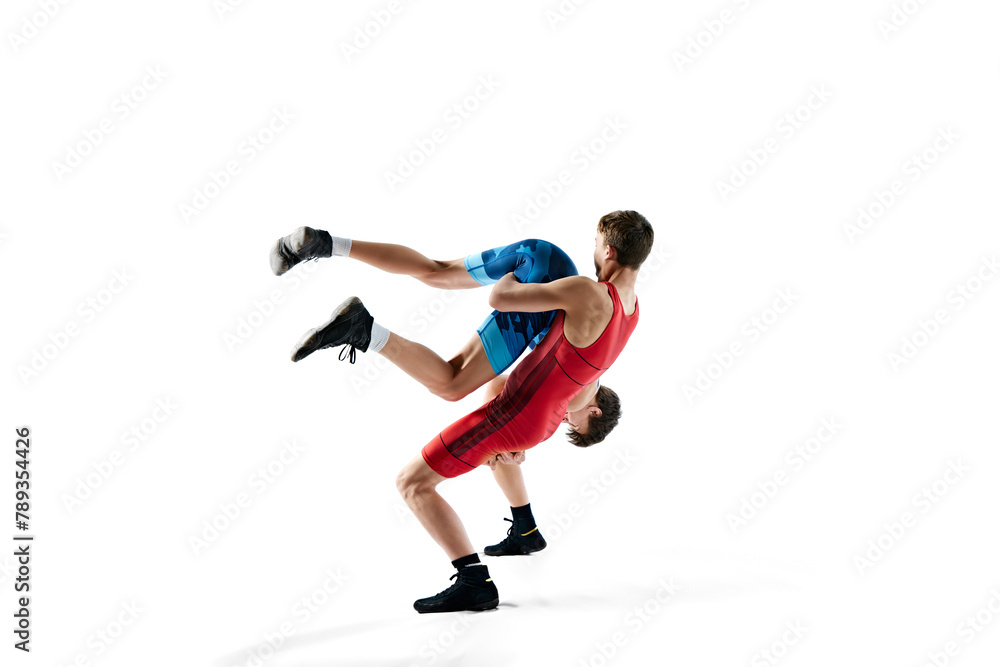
(806, 472)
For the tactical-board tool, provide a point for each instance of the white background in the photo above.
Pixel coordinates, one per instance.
(189, 284)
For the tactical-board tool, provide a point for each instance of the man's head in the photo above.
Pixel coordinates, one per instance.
(592, 423)
(623, 237)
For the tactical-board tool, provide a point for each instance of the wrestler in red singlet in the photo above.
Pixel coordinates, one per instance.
(534, 399)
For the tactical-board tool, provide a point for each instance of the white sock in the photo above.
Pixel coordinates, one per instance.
(341, 246)
(380, 336)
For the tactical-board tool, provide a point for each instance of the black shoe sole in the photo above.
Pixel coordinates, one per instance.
(482, 606)
(523, 549)
(310, 341)
(522, 552)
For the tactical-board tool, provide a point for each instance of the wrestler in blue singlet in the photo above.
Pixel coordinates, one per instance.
(506, 335)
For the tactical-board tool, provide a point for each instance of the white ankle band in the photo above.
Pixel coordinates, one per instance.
(341, 246)
(380, 336)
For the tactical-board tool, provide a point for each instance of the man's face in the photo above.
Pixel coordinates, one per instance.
(578, 420)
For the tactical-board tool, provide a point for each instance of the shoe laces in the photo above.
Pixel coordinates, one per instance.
(349, 353)
(453, 587)
(510, 531)
(470, 569)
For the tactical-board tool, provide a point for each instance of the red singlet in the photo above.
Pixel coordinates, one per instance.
(534, 399)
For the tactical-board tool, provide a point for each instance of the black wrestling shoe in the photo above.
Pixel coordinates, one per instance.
(517, 543)
(474, 591)
(350, 326)
(303, 244)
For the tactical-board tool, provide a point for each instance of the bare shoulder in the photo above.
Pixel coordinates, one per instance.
(584, 295)
(577, 282)
(584, 287)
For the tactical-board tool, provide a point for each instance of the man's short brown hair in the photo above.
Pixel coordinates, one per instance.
(611, 412)
(630, 234)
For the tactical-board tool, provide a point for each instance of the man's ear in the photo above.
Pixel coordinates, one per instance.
(594, 410)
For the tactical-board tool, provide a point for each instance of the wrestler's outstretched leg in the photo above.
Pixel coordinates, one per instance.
(474, 589)
(352, 326)
(498, 343)
(306, 243)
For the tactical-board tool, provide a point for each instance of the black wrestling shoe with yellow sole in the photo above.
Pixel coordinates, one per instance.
(474, 591)
(303, 244)
(350, 326)
(517, 543)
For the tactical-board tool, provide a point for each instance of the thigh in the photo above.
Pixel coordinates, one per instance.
(472, 367)
(447, 453)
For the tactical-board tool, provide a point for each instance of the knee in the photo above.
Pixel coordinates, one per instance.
(433, 279)
(450, 393)
(403, 482)
(452, 389)
(438, 274)
(407, 486)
